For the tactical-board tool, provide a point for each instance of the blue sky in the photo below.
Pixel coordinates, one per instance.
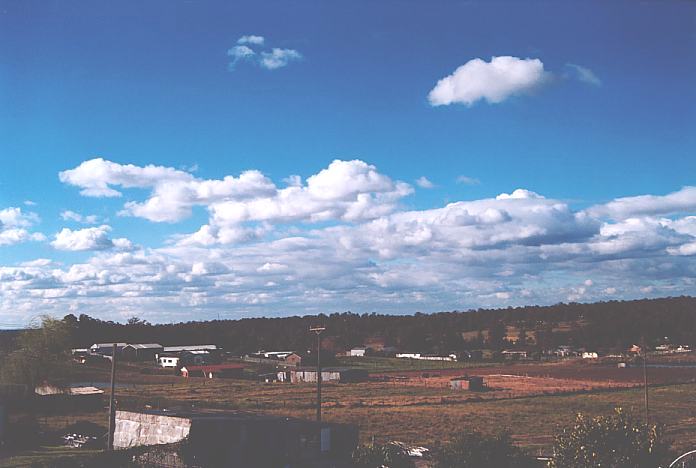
(596, 103)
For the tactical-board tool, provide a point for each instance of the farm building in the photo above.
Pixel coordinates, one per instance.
(358, 351)
(426, 357)
(54, 397)
(514, 354)
(293, 360)
(235, 438)
(168, 361)
(473, 383)
(330, 374)
(141, 351)
(106, 348)
(213, 371)
(211, 348)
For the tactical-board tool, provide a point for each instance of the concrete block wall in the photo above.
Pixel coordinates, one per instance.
(134, 429)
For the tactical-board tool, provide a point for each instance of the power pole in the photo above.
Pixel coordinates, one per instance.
(112, 403)
(645, 380)
(318, 331)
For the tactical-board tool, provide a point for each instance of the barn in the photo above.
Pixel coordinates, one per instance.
(141, 351)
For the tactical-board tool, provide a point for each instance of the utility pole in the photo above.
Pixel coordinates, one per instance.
(645, 379)
(112, 405)
(318, 331)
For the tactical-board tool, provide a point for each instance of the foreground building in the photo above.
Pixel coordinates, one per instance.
(234, 439)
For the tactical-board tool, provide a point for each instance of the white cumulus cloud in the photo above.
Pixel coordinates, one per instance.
(94, 238)
(250, 49)
(278, 58)
(15, 224)
(251, 39)
(493, 81)
(424, 182)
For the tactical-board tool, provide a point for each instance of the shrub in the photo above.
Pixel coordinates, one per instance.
(616, 441)
(376, 455)
(472, 449)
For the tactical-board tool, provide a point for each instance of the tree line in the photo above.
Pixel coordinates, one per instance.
(601, 325)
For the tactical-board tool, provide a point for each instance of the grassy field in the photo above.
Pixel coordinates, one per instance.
(420, 410)
(382, 364)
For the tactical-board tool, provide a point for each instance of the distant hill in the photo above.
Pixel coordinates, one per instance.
(601, 325)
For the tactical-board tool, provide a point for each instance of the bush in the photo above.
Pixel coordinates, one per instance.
(376, 455)
(616, 441)
(472, 449)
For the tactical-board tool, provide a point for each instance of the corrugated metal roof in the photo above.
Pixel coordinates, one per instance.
(213, 367)
(190, 348)
(145, 345)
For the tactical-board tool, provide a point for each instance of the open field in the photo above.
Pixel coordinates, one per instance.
(531, 400)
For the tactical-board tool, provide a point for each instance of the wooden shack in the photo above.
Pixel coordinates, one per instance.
(473, 383)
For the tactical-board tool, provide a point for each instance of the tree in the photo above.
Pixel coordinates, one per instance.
(376, 456)
(472, 449)
(616, 441)
(40, 354)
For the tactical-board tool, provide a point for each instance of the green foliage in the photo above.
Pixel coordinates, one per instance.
(616, 441)
(376, 455)
(40, 354)
(472, 449)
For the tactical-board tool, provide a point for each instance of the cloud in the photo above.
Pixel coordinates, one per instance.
(462, 179)
(494, 81)
(345, 190)
(15, 224)
(239, 53)
(68, 215)
(683, 200)
(94, 238)
(270, 59)
(251, 39)
(584, 74)
(278, 58)
(423, 182)
(340, 239)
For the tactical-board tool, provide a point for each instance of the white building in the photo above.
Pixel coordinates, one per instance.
(178, 349)
(590, 355)
(426, 357)
(168, 361)
(358, 351)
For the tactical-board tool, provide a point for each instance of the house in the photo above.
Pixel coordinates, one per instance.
(106, 348)
(168, 361)
(635, 349)
(590, 355)
(234, 439)
(564, 351)
(358, 351)
(214, 371)
(54, 397)
(514, 354)
(329, 374)
(277, 355)
(141, 352)
(426, 357)
(293, 360)
(473, 383)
